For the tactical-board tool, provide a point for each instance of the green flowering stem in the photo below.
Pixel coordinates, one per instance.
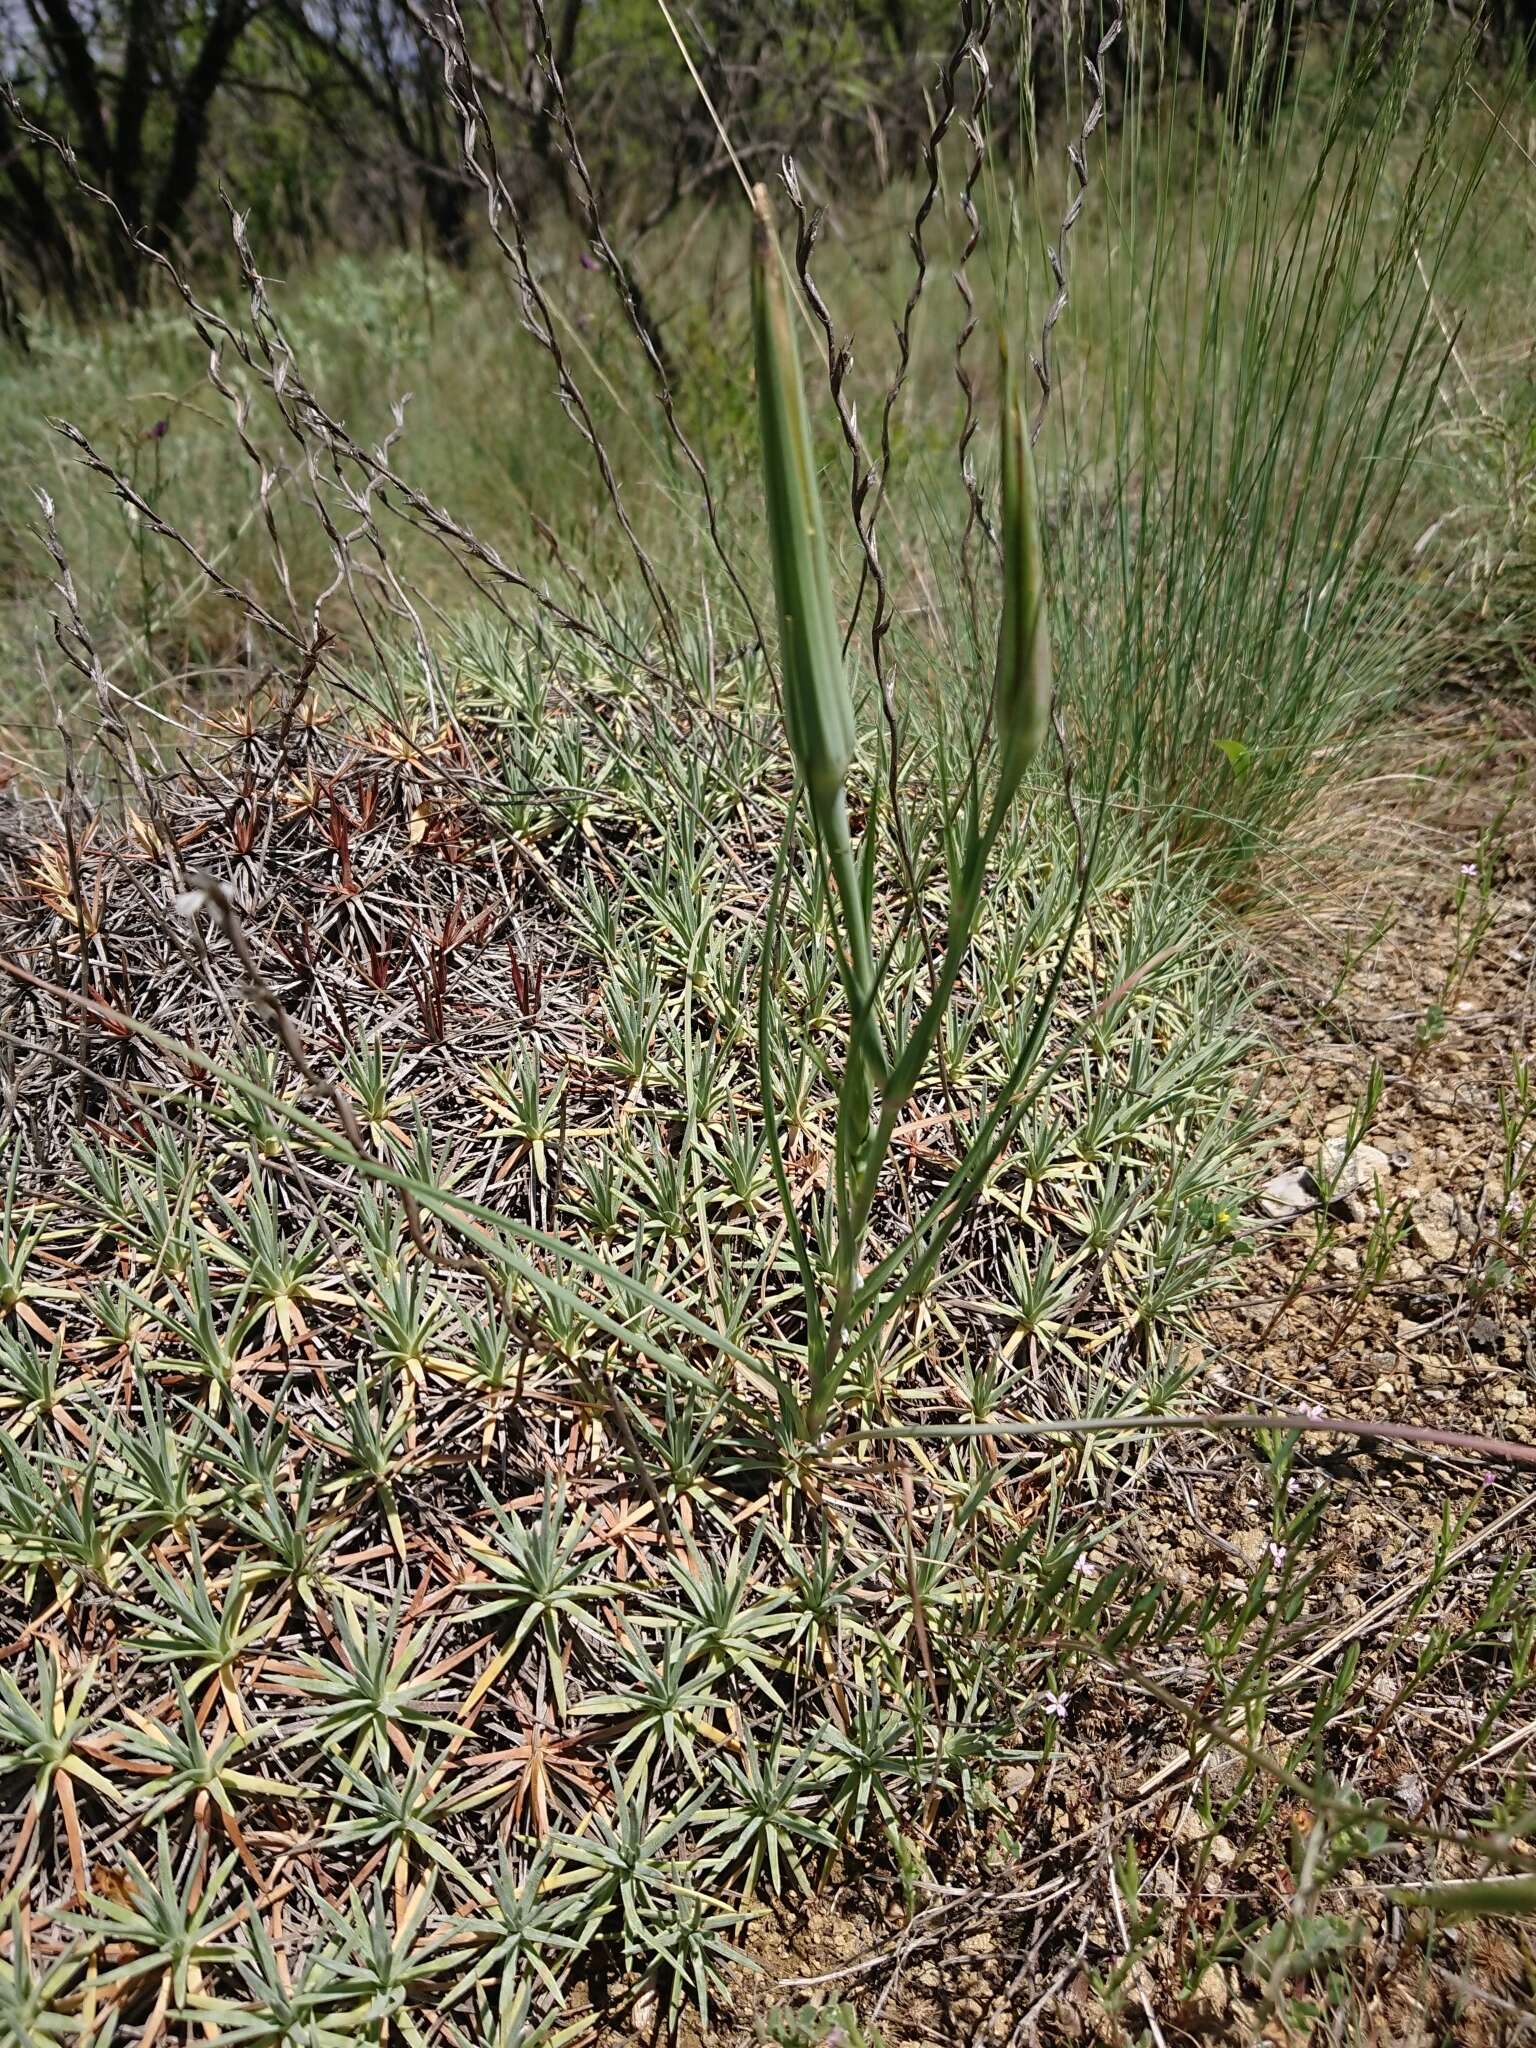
(819, 720)
(1021, 683)
(818, 706)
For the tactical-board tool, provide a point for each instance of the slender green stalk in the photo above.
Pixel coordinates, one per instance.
(818, 707)
(819, 721)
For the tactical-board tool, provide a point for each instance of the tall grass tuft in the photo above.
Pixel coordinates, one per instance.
(1245, 451)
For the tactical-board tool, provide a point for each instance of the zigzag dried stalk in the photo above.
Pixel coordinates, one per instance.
(482, 160)
(641, 319)
(1077, 153)
(978, 27)
(267, 356)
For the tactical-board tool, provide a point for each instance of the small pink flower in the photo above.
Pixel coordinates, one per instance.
(1277, 1552)
(1056, 1704)
(1469, 869)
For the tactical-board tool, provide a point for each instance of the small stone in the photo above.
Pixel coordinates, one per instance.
(1483, 1333)
(1288, 1194)
(1409, 1268)
(1347, 1173)
(1222, 1851)
(1344, 1260)
(1018, 1780)
(1211, 1997)
(1434, 1227)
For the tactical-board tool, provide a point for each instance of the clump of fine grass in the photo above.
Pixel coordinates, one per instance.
(1266, 417)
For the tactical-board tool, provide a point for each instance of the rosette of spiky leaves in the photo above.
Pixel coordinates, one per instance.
(371, 1688)
(182, 1761)
(520, 1929)
(47, 1739)
(404, 1817)
(765, 1820)
(172, 1924)
(191, 1624)
(33, 1990)
(542, 1575)
(659, 1706)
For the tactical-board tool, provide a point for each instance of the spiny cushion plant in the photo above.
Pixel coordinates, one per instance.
(443, 1632)
(437, 1632)
(436, 1579)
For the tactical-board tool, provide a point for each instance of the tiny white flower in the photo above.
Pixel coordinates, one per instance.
(1056, 1704)
(1277, 1552)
